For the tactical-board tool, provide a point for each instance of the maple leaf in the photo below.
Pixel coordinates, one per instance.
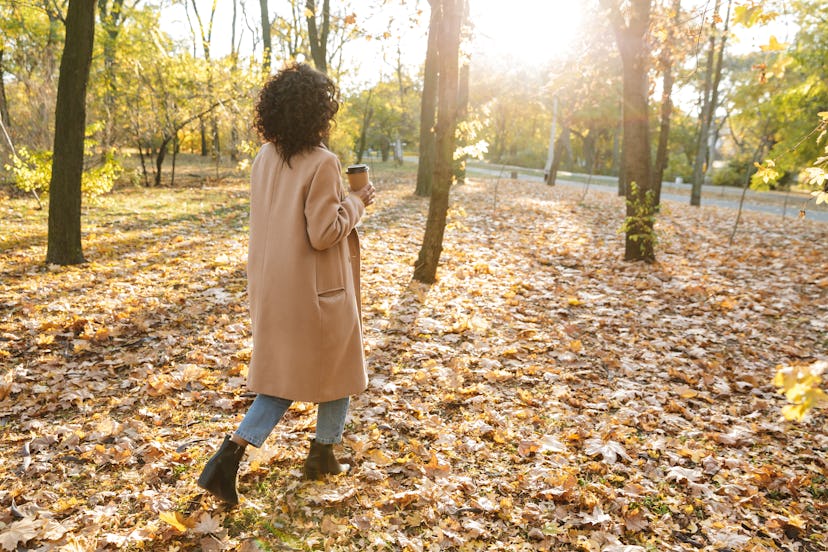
(176, 519)
(207, 524)
(597, 517)
(773, 45)
(548, 443)
(677, 473)
(19, 532)
(609, 450)
(636, 521)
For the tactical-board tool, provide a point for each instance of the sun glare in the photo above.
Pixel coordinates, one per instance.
(528, 31)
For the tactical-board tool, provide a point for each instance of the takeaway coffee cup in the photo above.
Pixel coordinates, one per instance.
(357, 176)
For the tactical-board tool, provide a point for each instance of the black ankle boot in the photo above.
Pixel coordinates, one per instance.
(321, 461)
(219, 475)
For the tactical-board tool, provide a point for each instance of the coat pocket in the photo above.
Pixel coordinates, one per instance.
(330, 275)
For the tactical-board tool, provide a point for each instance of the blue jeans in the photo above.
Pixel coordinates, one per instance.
(266, 411)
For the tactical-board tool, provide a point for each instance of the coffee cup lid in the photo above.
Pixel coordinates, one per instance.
(357, 169)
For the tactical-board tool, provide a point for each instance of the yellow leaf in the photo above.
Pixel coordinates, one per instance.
(573, 301)
(794, 412)
(687, 393)
(773, 45)
(576, 346)
(175, 519)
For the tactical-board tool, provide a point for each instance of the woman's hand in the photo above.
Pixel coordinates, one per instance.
(366, 194)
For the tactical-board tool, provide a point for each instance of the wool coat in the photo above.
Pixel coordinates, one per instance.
(303, 279)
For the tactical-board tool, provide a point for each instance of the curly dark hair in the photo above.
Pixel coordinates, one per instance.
(295, 109)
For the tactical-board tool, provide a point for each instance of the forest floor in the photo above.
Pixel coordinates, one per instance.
(542, 395)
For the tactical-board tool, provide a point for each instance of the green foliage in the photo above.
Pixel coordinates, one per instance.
(678, 166)
(100, 179)
(765, 176)
(395, 109)
(639, 225)
(513, 112)
(32, 170)
(816, 177)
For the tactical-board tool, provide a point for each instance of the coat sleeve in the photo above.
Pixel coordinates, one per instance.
(330, 218)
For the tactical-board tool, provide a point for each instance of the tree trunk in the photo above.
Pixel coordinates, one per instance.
(590, 144)
(234, 56)
(556, 158)
(428, 107)
(111, 20)
(617, 165)
(712, 77)
(714, 93)
(425, 269)
(64, 240)
(366, 123)
(318, 38)
(174, 157)
(267, 43)
(666, 104)
(203, 131)
(159, 159)
(4, 106)
(143, 164)
(462, 115)
(631, 38)
(5, 132)
(385, 148)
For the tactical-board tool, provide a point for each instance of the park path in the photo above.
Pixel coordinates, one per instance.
(777, 203)
(786, 205)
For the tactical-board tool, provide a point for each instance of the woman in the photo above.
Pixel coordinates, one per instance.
(303, 278)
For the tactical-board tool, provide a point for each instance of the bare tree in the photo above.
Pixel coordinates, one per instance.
(206, 34)
(710, 96)
(318, 33)
(267, 43)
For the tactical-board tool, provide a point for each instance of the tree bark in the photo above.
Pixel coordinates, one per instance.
(234, 56)
(267, 42)
(366, 123)
(552, 177)
(618, 153)
(318, 38)
(462, 115)
(4, 106)
(666, 103)
(5, 132)
(631, 38)
(428, 107)
(425, 269)
(64, 238)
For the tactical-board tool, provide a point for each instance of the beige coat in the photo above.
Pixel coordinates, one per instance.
(303, 279)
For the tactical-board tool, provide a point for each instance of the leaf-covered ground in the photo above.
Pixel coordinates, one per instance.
(543, 395)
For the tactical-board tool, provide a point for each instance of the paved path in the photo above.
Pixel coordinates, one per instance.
(766, 202)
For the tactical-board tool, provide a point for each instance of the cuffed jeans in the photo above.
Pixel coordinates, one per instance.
(266, 411)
